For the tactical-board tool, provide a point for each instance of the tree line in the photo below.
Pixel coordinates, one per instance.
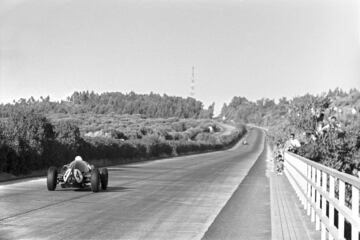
(149, 105)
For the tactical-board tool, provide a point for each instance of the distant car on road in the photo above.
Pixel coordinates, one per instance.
(78, 174)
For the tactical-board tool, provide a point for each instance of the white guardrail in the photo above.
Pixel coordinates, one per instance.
(330, 197)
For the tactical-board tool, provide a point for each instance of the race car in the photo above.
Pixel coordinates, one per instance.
(78, 174)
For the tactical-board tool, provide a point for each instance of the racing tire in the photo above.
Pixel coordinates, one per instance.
(95, 180)
(104, 176)
(51, 178)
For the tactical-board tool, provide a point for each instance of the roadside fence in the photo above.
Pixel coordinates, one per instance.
(330, 197)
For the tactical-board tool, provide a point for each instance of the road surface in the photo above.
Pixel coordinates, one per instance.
(177, 198)
(247, 214)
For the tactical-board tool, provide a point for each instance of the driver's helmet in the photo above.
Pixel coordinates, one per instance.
(78, 158)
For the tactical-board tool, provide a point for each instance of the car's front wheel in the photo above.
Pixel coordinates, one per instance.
(51, 178)
(95, 180)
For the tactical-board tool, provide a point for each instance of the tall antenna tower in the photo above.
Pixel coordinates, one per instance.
(192, 85)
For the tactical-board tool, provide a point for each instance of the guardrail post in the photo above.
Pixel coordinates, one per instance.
(298, 189)
(331, 207)
(302, 170)
(308, 190)
(313, 197)
(342, 204)
(355, 212)
(317, 217)
(323, 205)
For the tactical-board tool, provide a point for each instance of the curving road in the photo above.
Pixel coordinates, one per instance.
(177, 198)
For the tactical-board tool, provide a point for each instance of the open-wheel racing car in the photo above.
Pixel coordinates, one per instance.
(78, 174)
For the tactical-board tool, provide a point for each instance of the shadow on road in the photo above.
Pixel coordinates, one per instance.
(88, 189)
(115, 169)
(122, 168)
(117, 189)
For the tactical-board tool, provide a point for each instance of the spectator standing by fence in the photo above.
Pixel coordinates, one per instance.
(320, 123)
(292, 144)
(333, 125)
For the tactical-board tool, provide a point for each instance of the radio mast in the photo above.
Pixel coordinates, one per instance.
(192, 85)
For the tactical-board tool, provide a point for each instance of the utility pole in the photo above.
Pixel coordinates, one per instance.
(192, 85)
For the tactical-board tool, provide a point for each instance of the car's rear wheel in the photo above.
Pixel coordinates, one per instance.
(51, 178)
(104, 175)
(95, 180)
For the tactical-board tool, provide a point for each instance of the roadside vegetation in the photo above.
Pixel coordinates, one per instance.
(35, 134)
(337, 147)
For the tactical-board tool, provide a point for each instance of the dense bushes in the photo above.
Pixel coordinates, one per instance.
(338, 148)
(29, 141)
(68, 133)
(132, 127)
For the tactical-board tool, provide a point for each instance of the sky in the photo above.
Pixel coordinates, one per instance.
(250, 48)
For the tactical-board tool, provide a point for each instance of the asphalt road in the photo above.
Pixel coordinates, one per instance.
(177, 198)
(247, 215)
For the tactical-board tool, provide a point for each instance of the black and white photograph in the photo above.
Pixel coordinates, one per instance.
(180, 119)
